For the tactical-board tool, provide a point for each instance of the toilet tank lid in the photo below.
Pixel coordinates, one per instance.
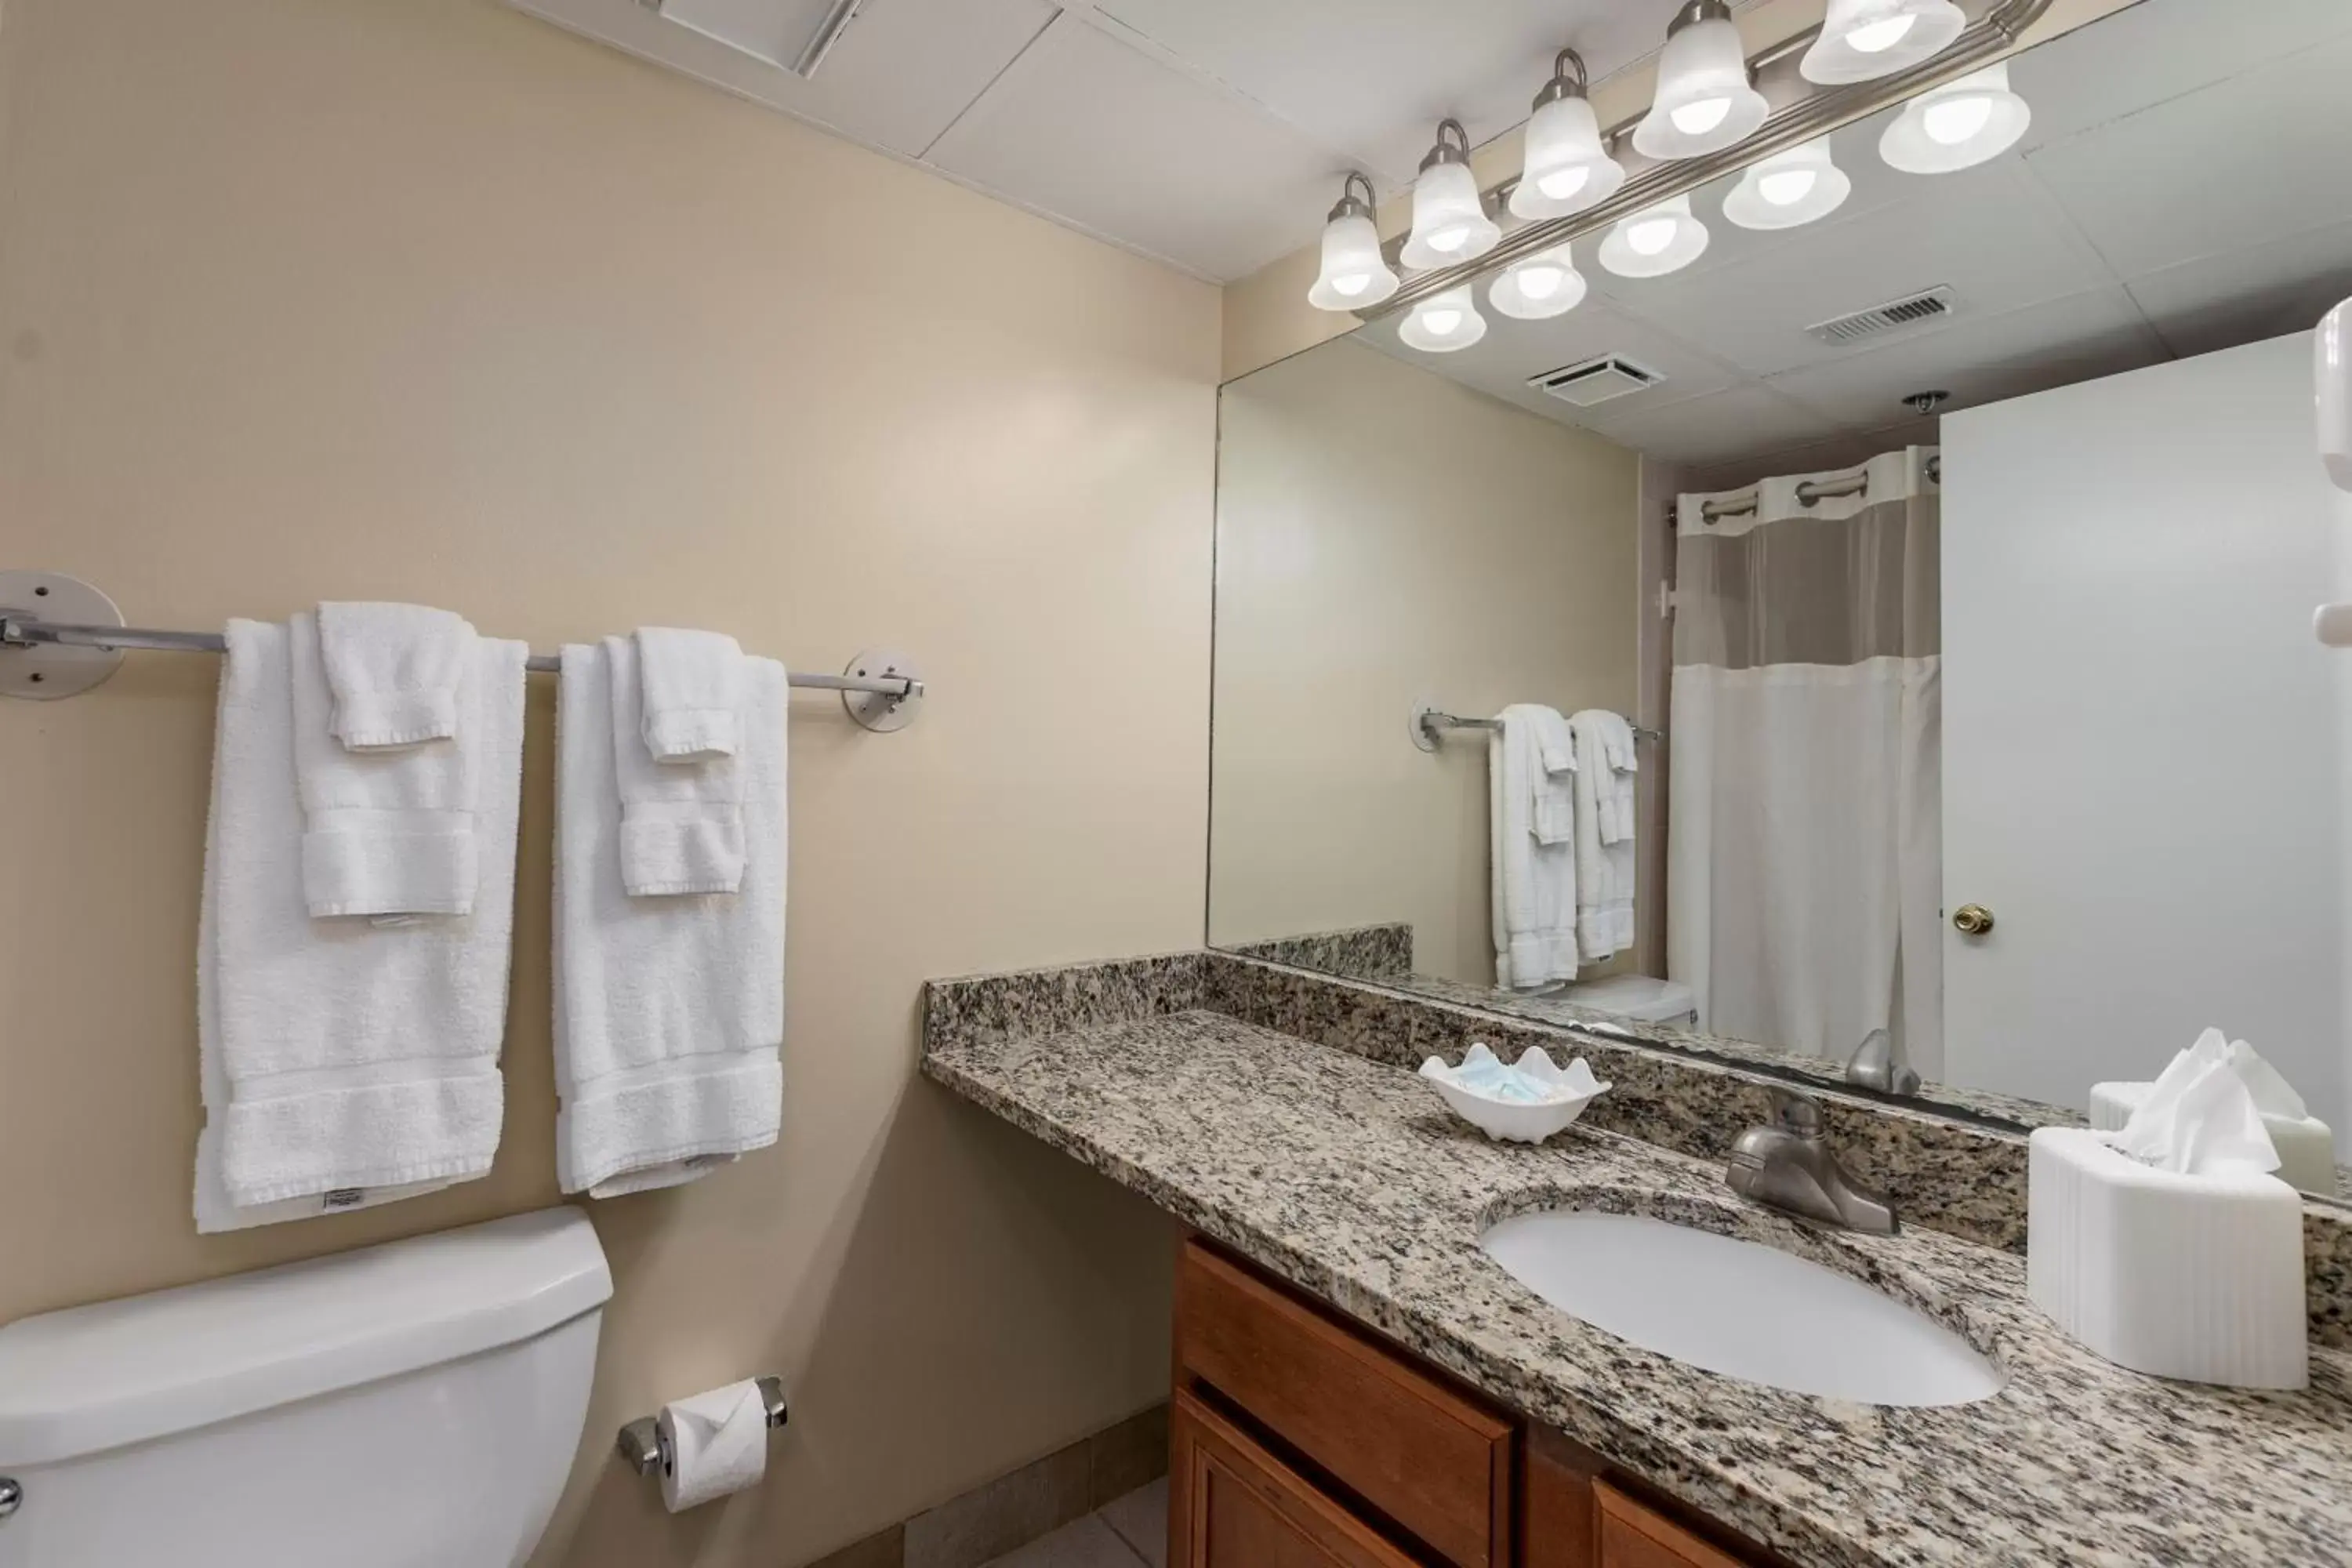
(92, 1378)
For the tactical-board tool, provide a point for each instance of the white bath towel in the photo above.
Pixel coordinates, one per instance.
(394, 671)
(681, 825)
(670, 1012)
(1604, 868)
(1532, 882)
(388, 831)
(692, 684)
(344, 1064)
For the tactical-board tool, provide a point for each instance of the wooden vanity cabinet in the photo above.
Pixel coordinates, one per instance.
(1298, 1439)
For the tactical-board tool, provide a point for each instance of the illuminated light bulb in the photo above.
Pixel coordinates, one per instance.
(1353, 273)
(1444, 323)
(1651, 237)
(1562, 183)
(1449, 213)
(1450, 240)
(1543, 286)
(1878, 37)
(1540, 282)
(1352, 284)
(1953, 121)
(1786, 187)
(1441, 324)
(1654, 241)
(1699, 118)
(1564, 165)
(1706, 99)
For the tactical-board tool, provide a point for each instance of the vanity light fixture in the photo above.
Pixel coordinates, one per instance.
(1789, 188)
(1443, 323)
(1705, 101)
(1959, 124)
(1654, 241)
(1355, 275)
(1567, 168)
(1449, 218)
(1543, 286)
(1862, 40)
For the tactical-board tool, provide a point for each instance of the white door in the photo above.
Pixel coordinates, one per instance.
(2139, 743)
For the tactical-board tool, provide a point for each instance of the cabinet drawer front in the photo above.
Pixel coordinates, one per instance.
(1634, 1535)
(1432, 1461)
(1233, 1505)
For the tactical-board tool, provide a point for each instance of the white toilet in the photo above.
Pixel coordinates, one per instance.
(411, 1404)
(1640, 996)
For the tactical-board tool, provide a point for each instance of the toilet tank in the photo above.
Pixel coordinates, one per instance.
(413, 1404)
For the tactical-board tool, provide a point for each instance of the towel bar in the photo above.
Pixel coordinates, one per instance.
(640, 1442)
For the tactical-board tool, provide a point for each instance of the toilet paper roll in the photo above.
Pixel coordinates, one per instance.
(717, 1443)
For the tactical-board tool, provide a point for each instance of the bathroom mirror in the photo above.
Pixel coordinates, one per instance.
(1949, 550)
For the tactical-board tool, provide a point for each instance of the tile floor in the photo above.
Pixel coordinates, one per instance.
(1130, 1531)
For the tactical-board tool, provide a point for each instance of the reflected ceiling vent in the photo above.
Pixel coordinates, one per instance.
(1892, 317)
(1596, 380)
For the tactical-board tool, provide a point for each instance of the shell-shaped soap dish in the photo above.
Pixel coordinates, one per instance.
(1525, 1102)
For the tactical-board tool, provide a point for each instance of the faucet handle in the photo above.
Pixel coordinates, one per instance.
(1796, 1112)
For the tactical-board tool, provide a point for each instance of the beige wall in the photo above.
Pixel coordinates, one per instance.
(1386, 536)
(305, 298)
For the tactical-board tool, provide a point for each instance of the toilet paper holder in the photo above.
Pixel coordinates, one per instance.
(641, 1442)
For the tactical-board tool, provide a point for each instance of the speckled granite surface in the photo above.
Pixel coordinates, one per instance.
(1361, 953)
(1344, 1175)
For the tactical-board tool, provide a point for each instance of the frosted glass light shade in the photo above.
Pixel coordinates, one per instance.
(1567, 168)
(1654, 241)
(1955, 126)
(1355, 275)
(1449, 220)
(1539, 288)
(1443, 323)
(1864, 39)
(1789, 188)
(1705, 102)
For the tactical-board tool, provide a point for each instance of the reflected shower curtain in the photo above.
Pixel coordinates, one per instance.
(1804, 838)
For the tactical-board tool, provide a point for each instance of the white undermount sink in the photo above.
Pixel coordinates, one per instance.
(1739, 1308)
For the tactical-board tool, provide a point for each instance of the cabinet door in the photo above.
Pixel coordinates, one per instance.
(1233, 1505)
(1634, 1535)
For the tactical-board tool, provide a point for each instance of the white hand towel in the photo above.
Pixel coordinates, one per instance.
(1532, 882)
(1553, 780)
(681, 827)
(669, 1013)
(1604, 870)
(385, 832)
(1614, 795)
(394, 670)
(344, 1064)
(692, 685)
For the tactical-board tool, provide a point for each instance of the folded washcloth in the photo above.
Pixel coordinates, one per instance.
(394, 670)
(681, 827)
(385, 832)
(669, 1013)
(343, 1064)
(692, 684)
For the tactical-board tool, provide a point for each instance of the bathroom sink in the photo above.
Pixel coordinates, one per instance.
(1739, 1308)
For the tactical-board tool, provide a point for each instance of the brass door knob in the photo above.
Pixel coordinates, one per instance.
(1973, 920)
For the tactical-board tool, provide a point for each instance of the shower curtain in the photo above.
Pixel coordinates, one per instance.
(1803, 849)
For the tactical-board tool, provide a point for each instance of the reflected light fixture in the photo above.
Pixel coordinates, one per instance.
(1566, 167)
(1789, 188)
(1545, 285)
(1449, 218)
(1355, 275)
(1861, 40)
(1443, 323)
(1705, 101)
(1654, 241)
(1959, 124)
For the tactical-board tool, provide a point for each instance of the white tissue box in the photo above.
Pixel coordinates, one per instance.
(2178, 1275)
(2306, 1148)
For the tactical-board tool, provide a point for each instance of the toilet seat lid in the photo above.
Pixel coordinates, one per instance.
(97, 1377)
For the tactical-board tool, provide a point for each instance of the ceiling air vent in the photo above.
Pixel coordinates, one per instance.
(1596, 380)
(1893, 316)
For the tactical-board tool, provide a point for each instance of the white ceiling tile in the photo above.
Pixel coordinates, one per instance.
(1719, 425)
(1373, 80)
(1983, 232)
(2243, 296)
(1512, 353)
(1094, 132)
(2257, 157)
(898, 76)
(2095, 334)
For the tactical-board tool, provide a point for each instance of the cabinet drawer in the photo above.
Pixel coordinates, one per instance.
(1432, 1461)
(1233, 1505)
(1634, 1535)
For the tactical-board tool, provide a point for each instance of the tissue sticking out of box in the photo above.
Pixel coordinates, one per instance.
(2199, 1119)
(2305, 1144)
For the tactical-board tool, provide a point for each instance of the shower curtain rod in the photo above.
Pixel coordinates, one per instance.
(1811, 491)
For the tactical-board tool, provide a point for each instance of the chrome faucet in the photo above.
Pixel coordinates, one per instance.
(1872, 1065)
(1787, 1167)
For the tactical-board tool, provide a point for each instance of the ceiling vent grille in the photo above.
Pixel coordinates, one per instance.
(1893, 316)
(1596, 380)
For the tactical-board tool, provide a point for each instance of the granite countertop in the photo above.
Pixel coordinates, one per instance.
(1348, 1177)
